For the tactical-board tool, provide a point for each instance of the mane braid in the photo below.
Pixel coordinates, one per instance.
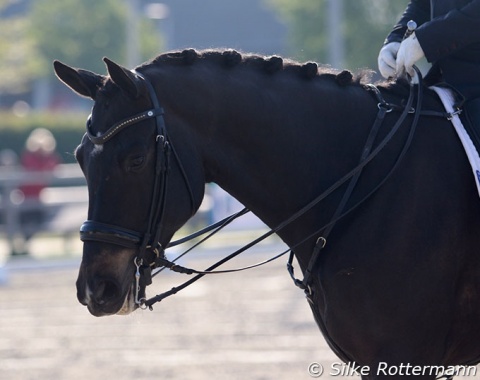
(229, 58)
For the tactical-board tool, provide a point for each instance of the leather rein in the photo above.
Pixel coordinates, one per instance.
(151, 254)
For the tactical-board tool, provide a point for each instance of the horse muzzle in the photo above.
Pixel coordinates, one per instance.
(106, 282)
(105, 298)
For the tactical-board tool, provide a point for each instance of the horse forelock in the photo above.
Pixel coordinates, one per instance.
(269, 65)
(108, 88)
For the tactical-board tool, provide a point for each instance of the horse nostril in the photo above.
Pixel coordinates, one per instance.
(82, 299)
(105, 290)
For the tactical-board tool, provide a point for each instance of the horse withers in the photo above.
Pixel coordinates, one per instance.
(398, 278)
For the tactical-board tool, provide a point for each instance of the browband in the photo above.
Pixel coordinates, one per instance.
(117, 127)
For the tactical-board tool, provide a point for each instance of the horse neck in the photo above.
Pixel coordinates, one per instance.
(271, 141)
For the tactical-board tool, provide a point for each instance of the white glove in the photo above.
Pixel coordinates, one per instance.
(409, 53)
(387, 59)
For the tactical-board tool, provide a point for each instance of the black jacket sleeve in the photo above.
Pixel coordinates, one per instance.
(443, 35)
(448, 34)
(417, 10)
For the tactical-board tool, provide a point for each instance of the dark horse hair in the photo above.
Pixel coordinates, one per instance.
(269, 65)
(398, 281)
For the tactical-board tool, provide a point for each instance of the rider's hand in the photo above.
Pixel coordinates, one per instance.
(387, 59)
(409, 53)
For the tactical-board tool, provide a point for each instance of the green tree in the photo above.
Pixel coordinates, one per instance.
(82, 32)
(77, 32)
(364, 27)
(18, 56)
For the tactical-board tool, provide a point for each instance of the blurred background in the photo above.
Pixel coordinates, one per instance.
(341, 33)
(41, 121)
(244, 326)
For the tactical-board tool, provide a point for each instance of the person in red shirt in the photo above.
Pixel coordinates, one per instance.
(39, 156)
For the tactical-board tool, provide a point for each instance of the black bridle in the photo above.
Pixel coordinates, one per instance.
(151, 254)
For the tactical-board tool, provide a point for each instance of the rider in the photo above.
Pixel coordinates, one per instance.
(448, 36)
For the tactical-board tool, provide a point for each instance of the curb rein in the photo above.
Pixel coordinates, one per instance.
(151, 253)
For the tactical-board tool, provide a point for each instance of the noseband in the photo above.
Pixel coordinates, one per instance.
(150, 251)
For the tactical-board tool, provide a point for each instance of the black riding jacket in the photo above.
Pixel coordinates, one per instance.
(449, 34)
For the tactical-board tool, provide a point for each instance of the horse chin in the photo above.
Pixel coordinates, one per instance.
(129, 304)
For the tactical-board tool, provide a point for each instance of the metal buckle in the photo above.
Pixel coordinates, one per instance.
(386, 106)
(451, 115)
(321, 239)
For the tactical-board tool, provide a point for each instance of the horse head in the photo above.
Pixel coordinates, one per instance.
(139, 190)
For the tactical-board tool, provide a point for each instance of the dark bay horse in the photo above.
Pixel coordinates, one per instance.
(398, 280)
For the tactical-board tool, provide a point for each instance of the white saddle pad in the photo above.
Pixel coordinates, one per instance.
(447, 97)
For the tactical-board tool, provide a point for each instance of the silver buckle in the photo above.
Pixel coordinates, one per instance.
(451, 115)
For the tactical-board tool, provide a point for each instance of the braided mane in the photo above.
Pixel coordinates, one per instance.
(269, 65)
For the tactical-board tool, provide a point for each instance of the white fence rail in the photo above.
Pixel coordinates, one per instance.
(63, 204)
(60, 209)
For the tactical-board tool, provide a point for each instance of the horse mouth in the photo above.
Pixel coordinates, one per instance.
(129, 304)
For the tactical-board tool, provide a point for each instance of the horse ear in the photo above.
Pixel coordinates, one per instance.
(83, 82)
(124, 78)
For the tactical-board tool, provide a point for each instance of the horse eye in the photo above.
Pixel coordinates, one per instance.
(136, 162)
